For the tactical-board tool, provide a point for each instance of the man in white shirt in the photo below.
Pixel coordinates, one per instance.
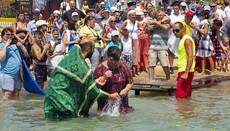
(227, 8)
(64, 6)
(173, 41)
(222, 15)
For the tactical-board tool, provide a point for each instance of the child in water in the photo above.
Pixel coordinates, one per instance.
(39, 54)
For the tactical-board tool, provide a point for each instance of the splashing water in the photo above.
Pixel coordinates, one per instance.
(111, 108)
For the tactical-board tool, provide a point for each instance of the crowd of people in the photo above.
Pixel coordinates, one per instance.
(125, 39)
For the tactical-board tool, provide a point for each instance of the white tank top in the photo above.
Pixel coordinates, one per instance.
(127, 46)
(132, 30)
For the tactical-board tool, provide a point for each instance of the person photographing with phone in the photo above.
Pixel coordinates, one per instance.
(10, 62)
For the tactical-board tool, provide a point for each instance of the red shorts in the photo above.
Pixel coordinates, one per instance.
(184, 87)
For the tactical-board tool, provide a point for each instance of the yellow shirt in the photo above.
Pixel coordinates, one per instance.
(182, 55)
(88, 32)
(188, 29)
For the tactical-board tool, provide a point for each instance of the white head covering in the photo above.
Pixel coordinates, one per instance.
(139, 11)
(40, 23)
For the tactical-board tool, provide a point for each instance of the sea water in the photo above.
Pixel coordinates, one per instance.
(111, 108)
(207, 110)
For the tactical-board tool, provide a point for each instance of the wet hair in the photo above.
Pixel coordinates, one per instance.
(180, 24)
(87, 19)
(204, 14)
(114, 52)
(6, 30)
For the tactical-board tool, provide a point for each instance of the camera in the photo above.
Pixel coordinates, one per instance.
(98, 38)
(14, 41)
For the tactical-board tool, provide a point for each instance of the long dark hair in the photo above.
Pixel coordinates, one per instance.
(87, 19)
(204, 14)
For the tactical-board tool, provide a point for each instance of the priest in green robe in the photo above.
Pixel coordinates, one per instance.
(72, 89)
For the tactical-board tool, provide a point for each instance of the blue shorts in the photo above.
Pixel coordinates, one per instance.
(40, 72)
(9, 83)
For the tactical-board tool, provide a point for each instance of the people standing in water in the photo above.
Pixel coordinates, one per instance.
(185, 62)
(72, 88)
(118, 79)
(40, 54)
(10, 63)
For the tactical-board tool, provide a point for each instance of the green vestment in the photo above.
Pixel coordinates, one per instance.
(72, 89)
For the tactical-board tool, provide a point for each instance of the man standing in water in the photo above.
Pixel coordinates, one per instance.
(185, 62)
(72, 89)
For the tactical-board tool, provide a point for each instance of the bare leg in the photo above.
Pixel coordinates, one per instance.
(202, 66)
(8, 95)
(166, 71)
(41, 85)
(222, 64)
(171, 57)
(134, 70)
(16, 93)
(151, 73)
(211, 65)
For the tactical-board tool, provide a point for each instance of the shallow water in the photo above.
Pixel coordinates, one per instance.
(208, 110)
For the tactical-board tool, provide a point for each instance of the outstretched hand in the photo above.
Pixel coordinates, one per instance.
(114, 96)
(100, 82)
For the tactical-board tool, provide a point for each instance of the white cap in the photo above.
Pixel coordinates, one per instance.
(40, 23)
(74, 13)
(118, 3)
(114, 33)
(56, 12)
(36, 11)
(122, 1)
(207, 7)
(102, 3)
(139, 11)
(183, 4)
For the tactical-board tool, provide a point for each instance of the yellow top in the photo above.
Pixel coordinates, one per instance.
(182, 55)
(188, 30)
(88, 32)
(85, 7)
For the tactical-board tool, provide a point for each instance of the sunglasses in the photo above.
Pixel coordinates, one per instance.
(112, 21)
(176, 30)
(213, 6)
(55, 16)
